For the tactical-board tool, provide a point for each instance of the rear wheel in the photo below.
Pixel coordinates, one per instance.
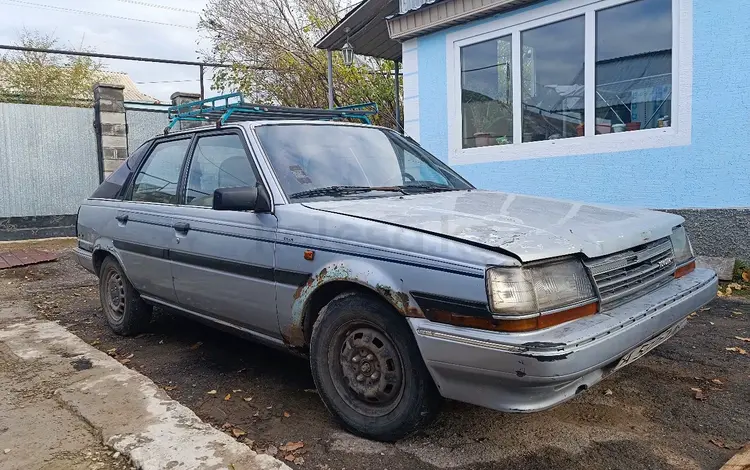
(368, 369)
(126, 313)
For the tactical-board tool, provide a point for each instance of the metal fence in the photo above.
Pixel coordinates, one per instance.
(144, 124)
(48, 159)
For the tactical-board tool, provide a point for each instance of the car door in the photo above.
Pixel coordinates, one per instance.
(144, 230)
(223, 261)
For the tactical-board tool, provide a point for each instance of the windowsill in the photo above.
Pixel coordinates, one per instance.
(603, 143)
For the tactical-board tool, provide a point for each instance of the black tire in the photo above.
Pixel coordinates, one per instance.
(126, 313)
(398, 396)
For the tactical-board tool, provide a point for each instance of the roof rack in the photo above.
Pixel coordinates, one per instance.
(233, 108)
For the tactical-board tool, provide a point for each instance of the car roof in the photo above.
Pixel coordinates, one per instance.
(270, 122)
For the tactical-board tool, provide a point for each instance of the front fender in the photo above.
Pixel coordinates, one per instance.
(356, 271)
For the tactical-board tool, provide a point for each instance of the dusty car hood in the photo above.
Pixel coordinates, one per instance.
(529, 227)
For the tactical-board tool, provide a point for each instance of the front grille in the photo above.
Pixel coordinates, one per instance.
(632, 273)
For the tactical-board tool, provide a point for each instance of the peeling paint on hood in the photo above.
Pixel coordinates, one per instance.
(530, 227)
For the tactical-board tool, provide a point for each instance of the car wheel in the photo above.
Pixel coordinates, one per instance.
(368, 370)
(127, 314)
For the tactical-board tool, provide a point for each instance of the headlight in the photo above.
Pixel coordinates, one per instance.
(683, 252)
(528, 291)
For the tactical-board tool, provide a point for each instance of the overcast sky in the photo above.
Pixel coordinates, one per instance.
(120, 36)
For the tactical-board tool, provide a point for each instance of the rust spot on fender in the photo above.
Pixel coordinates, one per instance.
(400, 300)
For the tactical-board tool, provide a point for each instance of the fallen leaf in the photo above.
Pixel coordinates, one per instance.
(248, 398)
(226, 398)
(196, 345)
(705, 309)
(237, 432)
(269, 407)
(169, 388)
(608, 392)
(290, 457)
(693, 315)
(291, 446)
(736, 313)
(734, 286)
(272, 450)
(717, 382)
(96, 342)
(726, 445)
(299, 461)
(124, 361)
(211, 392)
(728, 291)
(717, 443)
(720, 294)
(286, 414)
(130, 356)
(747, 340)
(699, 395)
(226, 425)
(737, 350)
(746, 276)
(112, 352)
(237, 391)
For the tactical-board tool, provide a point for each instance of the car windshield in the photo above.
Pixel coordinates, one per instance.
(329, 161)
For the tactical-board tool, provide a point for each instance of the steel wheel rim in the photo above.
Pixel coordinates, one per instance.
(114, 295)
(367, 369)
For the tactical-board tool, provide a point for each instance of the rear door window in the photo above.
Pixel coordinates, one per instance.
(158, 178)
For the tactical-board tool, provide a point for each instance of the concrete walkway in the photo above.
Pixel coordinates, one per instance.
(62, 401)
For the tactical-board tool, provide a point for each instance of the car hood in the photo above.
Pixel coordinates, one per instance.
(528, 227)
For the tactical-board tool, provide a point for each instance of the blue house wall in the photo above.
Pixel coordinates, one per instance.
(712, 172)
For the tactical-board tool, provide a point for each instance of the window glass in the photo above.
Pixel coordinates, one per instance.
(634, 66)
(552, 72)
(157, 180)
(219, 161)
(487, 93)
(306, 157)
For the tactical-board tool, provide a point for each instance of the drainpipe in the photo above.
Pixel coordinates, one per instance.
(329, 54)
(398, 97)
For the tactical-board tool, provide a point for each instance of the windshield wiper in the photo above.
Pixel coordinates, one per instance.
(427, 186)
(344, 190)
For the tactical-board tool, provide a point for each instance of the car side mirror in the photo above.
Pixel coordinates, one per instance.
(244, 198)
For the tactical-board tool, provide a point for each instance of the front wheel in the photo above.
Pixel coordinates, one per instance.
(368, 369)
(127, 314)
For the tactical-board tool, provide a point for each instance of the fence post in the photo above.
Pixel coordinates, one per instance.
(181, 97)
(110, 128)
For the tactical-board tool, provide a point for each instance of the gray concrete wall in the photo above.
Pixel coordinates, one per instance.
(718, 232)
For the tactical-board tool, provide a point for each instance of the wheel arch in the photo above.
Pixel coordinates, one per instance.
(337, 278)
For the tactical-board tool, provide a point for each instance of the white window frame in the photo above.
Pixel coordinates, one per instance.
(679, 134)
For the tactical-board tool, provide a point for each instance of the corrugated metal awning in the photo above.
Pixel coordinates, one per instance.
(368, 32)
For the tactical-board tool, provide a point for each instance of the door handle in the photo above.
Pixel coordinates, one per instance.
(182, 227)
(122, 218)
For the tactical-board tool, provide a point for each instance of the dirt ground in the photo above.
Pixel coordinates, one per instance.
(644, 416)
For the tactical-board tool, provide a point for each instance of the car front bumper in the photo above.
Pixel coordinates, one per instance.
(525, 372)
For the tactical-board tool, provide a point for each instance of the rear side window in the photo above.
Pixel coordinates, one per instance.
(111, 188)
(157, 180)
(219, 161)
